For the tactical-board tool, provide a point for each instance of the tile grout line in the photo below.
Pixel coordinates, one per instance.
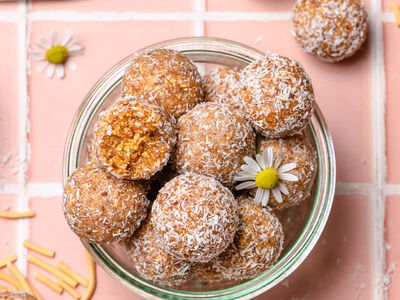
(378, 139)
(200, 7)
(23, 201)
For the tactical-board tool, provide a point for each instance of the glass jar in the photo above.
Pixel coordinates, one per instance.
(207, 52)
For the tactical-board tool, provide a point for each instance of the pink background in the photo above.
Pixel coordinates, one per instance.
(357, 254)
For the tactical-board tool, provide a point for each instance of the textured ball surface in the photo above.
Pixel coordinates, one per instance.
(153, 263)
(257, 244)
(133, 139)
(166, 77)
(195, 217)
(276, 96)
(101, 208)
(330, 29)
(213, 139)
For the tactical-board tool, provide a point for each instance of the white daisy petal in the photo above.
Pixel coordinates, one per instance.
(66, 37)
(74, 48)
(54, 38)
(277, 195)
(71, 41)
(249, 170)
(42, 66)
(71, 64)
(258, 197)
(245, 185)
(60, 71)
(37, 56)
(50, 70)
(283, 188)
(244, 178)
(287, 167)
(245, 174)
(265, 198)
(260, 161)
(278, 160)
(43, 43)
(252, 163)
(288, 177)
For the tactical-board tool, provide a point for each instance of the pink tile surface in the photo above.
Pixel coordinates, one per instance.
(55, 234)
(393, 242)
(341, 264)
(339, 88)
(120, 5)
(55, 102)
(9, 105)
(9, 5)
(250, 5)
(392, 60)
(387, 3)
(8, 227)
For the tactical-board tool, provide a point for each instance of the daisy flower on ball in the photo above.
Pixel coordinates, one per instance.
(57, 53)
(267, 175)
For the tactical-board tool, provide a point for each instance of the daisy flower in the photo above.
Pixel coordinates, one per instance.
(266, 174)
(57, 53)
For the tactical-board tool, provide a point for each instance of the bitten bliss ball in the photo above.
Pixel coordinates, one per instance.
(298, 150)
(276, 96)
(152, 262)
(221, 85)
(166, 77)
(133, 139)
(100, 208)
(257, 244)
(213, 139)
(195, 217)
(330, 29)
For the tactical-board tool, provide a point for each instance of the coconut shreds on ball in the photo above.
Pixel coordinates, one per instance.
(276, 96)
(330, 29)
(152, 262)
(221, 85)
(166, 77)
(195, 217)
(213, 139)
(101, 208)
(15, 295)
(257, 245)
(133, 139)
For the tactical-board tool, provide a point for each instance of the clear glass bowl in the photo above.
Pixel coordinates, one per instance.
(302, 225)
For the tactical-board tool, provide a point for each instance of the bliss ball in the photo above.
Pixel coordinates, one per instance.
(221, 85)
(101, 208)
(133, 139)
(295, 149)
(152, 262)
(195, 217)
(276, 96)
(213, 139)
(166, 77)
(207, 273)
(330, 29)
(257, 245)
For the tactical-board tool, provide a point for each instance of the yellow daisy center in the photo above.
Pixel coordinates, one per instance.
(267, 178)
(57, 54)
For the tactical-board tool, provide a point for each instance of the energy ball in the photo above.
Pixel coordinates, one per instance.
(221, 85)
(276, 96)
(295, 149)
(166, 77)
(195, 217)
(330, 29)
(213, 139)
(257, 244)
(15, 295)
(153, 263)
(101, 208)
(207, 273)
(133, 139)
